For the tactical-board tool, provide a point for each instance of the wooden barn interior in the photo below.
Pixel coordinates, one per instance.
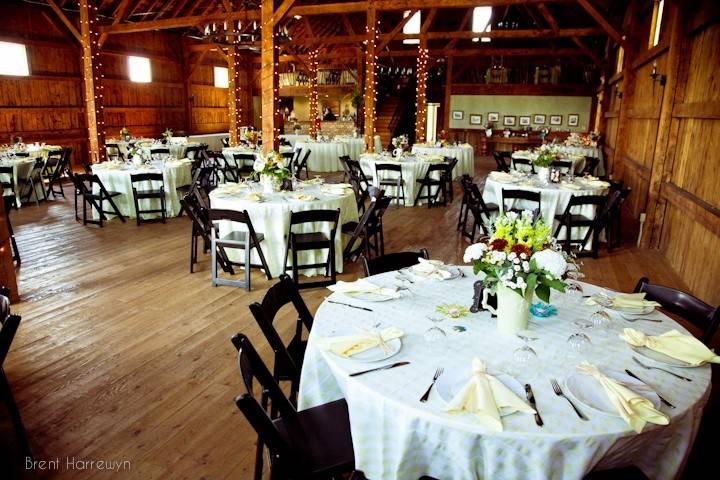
(142, 137)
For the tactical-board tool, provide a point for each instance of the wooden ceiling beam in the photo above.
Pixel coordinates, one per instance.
(428, 21)
(410, 4)
(118, 16)
(65, 20)
(587, 51)
(600, 19)
(545, 12)
(466, 19)
(394, 31)
(282, 10)
(180, 22)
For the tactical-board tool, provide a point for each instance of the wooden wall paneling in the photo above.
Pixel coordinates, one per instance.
(7, 265)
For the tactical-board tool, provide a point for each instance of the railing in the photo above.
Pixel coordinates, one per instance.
(325, 77)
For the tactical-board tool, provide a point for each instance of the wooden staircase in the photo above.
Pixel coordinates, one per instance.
(385, 116)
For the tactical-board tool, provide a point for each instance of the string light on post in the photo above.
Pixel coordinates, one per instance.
(421, 101)
(92, 71)
(314, 121)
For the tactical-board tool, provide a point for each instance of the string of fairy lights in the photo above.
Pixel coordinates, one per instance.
(421, 105)
(93, 89)
(234, 96)
(371, 83)
(314, 120)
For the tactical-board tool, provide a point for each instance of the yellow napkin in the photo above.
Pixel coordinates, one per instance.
(363, 286)
(635, 409)
(635, 301)
(503, 177)
(431, 269)
(349, 345)
(303, 197)
(570, 186)
(484, 395)
(252, 197)
(685, 348)
(596, 184)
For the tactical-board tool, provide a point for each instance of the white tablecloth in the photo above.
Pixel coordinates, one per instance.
(594, 152)
(413, 168)
(213, 140)
(578, 162)
(175, 174)
(397, 437)
(464, 153)
(553, 199)
(22, 166)
(292, 138)
(272, 218)
(356, 146)
(177, 148)
(324, 156)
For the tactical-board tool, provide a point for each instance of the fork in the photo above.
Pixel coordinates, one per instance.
(635, 319)
(425, 396)
(558, 391)
(648, 367)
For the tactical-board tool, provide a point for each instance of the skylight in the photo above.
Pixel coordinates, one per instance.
(412, 27)
(481, 22)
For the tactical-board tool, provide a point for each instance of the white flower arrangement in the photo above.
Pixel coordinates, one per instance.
(400, 141)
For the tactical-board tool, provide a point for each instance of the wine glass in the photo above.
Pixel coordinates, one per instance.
(579, 342)
(434, 334)
(573, 293)
(524, 356)
(601, 321)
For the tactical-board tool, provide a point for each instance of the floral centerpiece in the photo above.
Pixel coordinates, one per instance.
(545, 155)
(520, 259)
(252, 137)
(125, 134)
(400, 143)
(273, 170)
(167, 135)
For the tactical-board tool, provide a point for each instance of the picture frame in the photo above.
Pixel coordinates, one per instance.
(524, 120)
(573, 120)
(493, 116)
(539, 119)
(475, 119)
(556, 119)
(458, 114)
(509, 120)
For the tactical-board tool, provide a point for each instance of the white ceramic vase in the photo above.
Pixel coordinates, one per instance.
(488, 132)
(137, 160)
(544, 174)
(270, 183)
(513, 310)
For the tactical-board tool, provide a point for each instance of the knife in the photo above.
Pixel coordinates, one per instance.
(386, 367)
(531, 399)
(643, 381)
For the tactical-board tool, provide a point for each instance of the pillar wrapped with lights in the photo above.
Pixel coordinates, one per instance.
(313, 80)
(370, 87)
(269, 78)
(420, 99)
(239, 94)
(92, 73)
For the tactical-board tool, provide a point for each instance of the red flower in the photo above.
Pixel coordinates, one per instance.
(498, 244)
(520, 248)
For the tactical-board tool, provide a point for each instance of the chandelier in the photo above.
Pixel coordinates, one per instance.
(242, 34)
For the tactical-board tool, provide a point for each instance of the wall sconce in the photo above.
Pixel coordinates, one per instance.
(657, 77)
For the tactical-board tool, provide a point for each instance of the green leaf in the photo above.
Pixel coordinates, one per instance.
(531, 281)
(543, 293)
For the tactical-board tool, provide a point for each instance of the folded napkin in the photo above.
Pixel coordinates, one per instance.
(685, 348)
(349, 345)
(484, 395)
(527, 183)
(596, 183)
(503, 177)
(636, 301)
(570, 186)
(465, 145)
(635, 409)
(303, 197)
(431, 269)
(252, 197)
(363, 286)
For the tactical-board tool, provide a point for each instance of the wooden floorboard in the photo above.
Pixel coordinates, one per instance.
(122, 354)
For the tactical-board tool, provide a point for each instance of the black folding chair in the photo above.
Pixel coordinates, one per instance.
(55, 166)
(501, 162)
(246, 240)
(433, 187)
(155, 152)
(202, 229)
(87, 184)
(148, 194)
(302, 164)
(313, 443)
(303, 242)
(563, 165)
(29, 185)
(591, 163)
(393, 261)
(13, 243)
(243, 164)
(522, 161)
(570, 220)
(394, 180)
(691, 308)
(448, 177)
(360, 231)
(7, 182)
(114, 152)
(527, 196)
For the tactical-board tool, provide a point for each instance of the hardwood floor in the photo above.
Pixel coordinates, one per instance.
(122, 354)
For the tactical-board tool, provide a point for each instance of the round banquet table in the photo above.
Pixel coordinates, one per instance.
(463, 152)
(116, 177)
(271, 217)
(294, 138)
(229, 151)
(356, 145)
(554, 197)
(578, 161)
(413, 168)
(594, 152)
(324, 156)
(148, 146)
(397, 437)
(22, 167)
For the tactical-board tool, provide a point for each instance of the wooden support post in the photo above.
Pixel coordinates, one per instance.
(448, 94)
(269, 78)
(420, 99)
(7, 266)
(92, 76)
(239, 93)
(313, 80)
(370, 59)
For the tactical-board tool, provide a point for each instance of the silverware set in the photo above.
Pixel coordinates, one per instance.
(649, 367)
(656, 392)
(438, 372)
(558, 391)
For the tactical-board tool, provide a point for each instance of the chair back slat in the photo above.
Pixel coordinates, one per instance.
(393, 261)
(310, 216)
(144, 177)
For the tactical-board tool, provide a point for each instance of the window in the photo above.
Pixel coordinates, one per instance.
(139, 68)
(656, 25)
(14, 59)
(620, 60)
(412, 27)
(221, 77)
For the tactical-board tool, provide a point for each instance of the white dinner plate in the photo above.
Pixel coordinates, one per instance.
(633, 311)
(588, 391)
(454, 273)
(368, 296)
(661, 358)
(377, 354)
(450, 383)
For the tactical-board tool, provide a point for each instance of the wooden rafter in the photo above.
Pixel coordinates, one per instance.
(428, 21)
(65, 20)
(282, 10)
(118, 16)
(466, 19)
(545, 12)
(598, 17)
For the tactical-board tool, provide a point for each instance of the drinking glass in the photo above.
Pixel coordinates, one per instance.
(579, 342)
(434, 334)
(525, 357)
(602, 322)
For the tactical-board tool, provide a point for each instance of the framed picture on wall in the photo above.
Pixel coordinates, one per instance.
(475, 119)
(573, 120)
(509, 120)
(458, 114)
(493, 116)
(539, 119)
(556, 119)
(524, 120)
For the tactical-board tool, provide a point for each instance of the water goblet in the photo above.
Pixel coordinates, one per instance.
(434, 334)
(524, 356)
(602, 322)
(579, 342)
